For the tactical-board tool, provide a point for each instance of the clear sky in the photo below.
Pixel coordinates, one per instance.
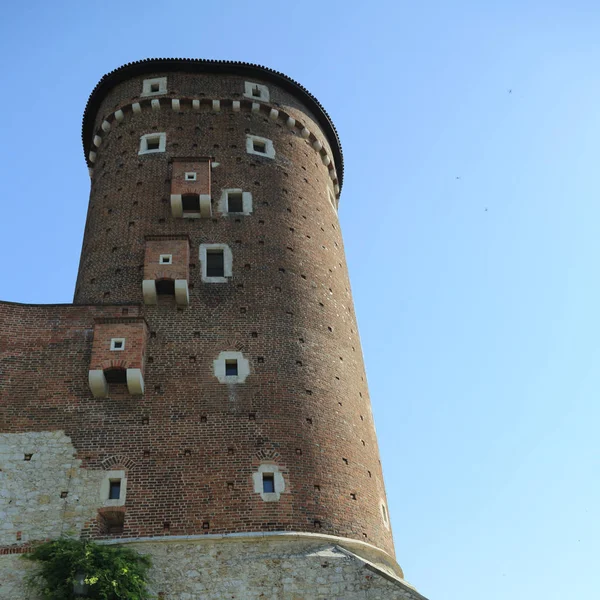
(471, 221)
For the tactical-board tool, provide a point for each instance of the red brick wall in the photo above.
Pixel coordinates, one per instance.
(288, 307)
(180, 251)
(202, 184)
(132, 356)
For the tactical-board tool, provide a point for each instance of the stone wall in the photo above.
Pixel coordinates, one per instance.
(43, 491)
(253, 569)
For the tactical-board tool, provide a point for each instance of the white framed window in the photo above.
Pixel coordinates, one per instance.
(231, 367)
(332, 199)
(256, 91)
(235, 201)
(113, 488)
(153, 142)
(217, 263)
(384, 515)
(154, 87)
(166, 259)
(117, 344)
(268, 482)
(259, 146)
(191, 176)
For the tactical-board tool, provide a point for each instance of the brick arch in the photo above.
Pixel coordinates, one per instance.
(164, 276)
(117, 460)
(113, 364)
(235, 344)
(268, 454)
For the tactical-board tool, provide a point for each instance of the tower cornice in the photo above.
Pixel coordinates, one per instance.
(200, 65)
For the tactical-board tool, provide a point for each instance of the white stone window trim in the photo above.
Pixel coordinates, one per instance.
(162, 143)
(246, 201)
(117, 344)
(219, 367)
(269, 148)
(250, 88)
(227, 262)
(190, 176)
(332, 200)
(278, 482)
(105, 488)
(385, 514)
(149, 85)
(165, 259)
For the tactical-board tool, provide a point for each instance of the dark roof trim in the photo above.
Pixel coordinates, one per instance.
(200, 65)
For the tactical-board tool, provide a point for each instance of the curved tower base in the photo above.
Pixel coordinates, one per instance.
(270, 566)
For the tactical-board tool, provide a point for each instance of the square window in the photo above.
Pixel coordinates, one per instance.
(256, 91)
(268, 483)
(259, 146)
(190, 176)
(166, 259)
(215, 263)
(231, 367)
(155, 86)
(153, 143)
(235, 202)
(117, 344)
(114, 492)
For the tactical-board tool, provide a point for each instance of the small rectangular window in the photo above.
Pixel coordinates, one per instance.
(256, 91)
(268, 483)
(190, 176)
(259, 146)
(231, 367)
(114, 492)
(166, 259)
(215, 263)
(117, 344)
(152, 87)
(235, 202)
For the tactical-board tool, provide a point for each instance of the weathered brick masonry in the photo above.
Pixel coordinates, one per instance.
(190, 444)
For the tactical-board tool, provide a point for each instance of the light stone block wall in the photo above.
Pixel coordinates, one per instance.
(241, 567)
(31, 506)
(253, 569)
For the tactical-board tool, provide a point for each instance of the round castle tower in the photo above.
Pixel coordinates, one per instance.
(238, 388)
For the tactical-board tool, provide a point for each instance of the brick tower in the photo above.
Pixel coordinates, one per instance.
(204, 398)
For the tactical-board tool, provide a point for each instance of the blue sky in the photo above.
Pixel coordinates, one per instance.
(470, 217)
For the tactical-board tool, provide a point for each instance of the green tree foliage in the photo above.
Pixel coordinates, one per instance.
(109, 572)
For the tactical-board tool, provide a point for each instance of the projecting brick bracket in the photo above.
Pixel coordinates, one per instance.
(182, 296)
(203, 211)
(118, 352)
(99, 385)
